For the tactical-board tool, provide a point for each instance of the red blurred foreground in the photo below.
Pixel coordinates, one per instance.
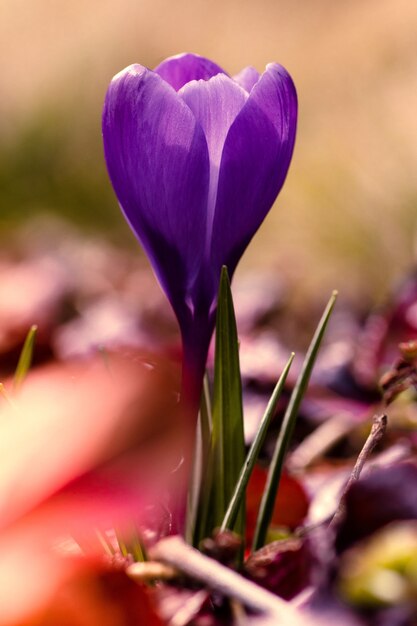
(87, 447)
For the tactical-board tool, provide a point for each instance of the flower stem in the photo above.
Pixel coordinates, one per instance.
(196, 341)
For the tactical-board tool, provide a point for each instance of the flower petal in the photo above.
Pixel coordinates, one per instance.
(215, 104)
(247, 78)
(182, 68)
(157, 159)
(255, 161)
(116, 420)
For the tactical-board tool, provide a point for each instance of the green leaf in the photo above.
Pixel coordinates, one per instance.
(228, 443)
(138, 551)
(227, 446)
(246, 471)
(287, 427)
(206, 420)
(25, 359)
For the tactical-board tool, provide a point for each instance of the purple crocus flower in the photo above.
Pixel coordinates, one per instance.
(196, 159)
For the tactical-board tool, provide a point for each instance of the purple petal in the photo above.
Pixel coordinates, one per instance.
(215, 105)
(157, 158)
(247, 78)
(182, 68)
(255, 161)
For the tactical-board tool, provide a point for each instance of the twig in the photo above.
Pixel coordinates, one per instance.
(189, 610)
(151, 570)
(238, 612)
(175, 552)
(378, 429)
(379, 426)
(303, 597)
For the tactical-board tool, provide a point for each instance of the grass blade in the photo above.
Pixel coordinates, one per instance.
(227, 446)
(274, 474)
(206, 419)
(240, 489)
(25, 359)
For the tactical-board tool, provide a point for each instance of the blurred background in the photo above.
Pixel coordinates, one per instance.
(346, 218)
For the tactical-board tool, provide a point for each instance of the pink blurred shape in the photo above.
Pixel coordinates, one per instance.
(90, 445)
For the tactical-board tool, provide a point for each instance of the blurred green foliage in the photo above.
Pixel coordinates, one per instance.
(55, 165)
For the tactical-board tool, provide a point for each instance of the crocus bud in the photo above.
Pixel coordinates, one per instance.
(196, 159)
